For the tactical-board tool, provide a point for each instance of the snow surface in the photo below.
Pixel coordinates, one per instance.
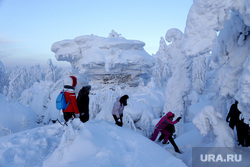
(15, 117)
(96, 143)
(208, 119)
(197, 74)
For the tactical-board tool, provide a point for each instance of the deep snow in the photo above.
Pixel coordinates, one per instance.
(95, 143)
(197, 75)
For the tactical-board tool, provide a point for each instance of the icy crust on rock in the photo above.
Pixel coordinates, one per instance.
(91, 54)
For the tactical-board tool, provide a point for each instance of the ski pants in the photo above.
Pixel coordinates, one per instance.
(171, 140)
(117, 122)
(156, 132)
(68, 115)
(84, 117)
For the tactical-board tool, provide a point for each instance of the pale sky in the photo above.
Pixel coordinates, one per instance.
(29, 27)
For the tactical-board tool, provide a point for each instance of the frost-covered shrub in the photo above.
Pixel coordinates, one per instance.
(209, 120)
(22, 78)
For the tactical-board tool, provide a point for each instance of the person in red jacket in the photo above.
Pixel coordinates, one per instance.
(71, 111)
(165, 121)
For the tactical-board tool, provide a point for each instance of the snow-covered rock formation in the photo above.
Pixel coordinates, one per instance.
(105, 58)
(114, 66)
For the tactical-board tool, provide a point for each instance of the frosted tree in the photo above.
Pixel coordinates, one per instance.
(22, 78)
(2, 70)
(53, 73)
(175, 56)
(19, 81)
(209, 120)
(230, 59)
(50, 71)
(35, 74)
(207, 18)
(179, 83)
(243, 93)
(161, 70)
(162, 48)
(58, 73)
(2, 77)
(199, 73)
(233, 56)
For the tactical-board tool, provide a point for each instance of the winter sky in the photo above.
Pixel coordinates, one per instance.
(29, 28)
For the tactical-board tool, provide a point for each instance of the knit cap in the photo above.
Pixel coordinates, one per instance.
(70, 80)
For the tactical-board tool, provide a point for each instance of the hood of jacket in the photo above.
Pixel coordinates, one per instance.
(170, 114)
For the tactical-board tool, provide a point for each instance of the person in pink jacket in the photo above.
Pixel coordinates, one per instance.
(118, 108)
(165, 121)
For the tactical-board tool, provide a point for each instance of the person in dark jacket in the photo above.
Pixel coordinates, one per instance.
(233, 115)
(242, 133)
(83, 103)
(248, 137)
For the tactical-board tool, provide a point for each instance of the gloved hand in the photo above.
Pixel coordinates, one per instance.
(77, 115)
(178, 119)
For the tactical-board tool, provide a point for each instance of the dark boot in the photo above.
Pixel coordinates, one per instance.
(178, 151)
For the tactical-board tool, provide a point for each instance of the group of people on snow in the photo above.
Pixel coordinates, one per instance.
(78, 107)
(235, 119)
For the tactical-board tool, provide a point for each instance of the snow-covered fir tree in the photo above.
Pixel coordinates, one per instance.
(22, 78)
(3, 78)
(161, 72)
(50, 71)
(179, 83)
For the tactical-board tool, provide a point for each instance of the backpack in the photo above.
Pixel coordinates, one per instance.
(170, 128)
(61, 101)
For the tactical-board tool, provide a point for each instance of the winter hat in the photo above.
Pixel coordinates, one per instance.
(71, 81)
(74, 81)
(88, 87)
(170, 114)
(123, 100)
(125, 97)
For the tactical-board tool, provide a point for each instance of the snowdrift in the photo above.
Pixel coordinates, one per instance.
(15, 117)
(95, 143)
